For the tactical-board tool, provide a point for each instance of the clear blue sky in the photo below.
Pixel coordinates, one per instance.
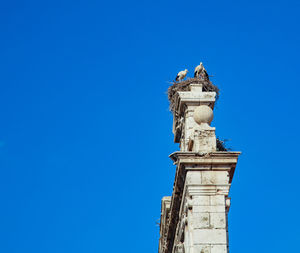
(85, 129)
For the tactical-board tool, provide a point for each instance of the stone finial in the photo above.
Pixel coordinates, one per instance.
(203, 114)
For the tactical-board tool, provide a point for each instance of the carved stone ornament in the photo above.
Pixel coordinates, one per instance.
(203, 114)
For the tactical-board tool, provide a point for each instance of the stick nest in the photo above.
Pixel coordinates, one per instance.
(222, 145)
(207, 86)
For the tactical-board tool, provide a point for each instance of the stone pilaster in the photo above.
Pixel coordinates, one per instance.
(204, 201)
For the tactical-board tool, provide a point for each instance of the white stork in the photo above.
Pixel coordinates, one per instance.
(204, 74)
(181, 75)
(198, 70)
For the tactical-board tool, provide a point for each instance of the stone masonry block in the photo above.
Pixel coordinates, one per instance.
(190, 122)
(218, 220)
(217, 200)
(201, 201)
(215, 177)
(219, 248)
(201, 249)
(208, 209)
(209, 236)
(200, 220)
(193, 177)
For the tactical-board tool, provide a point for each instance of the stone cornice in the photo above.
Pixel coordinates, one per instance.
(218, 157)
(196, 99)
(219, 160)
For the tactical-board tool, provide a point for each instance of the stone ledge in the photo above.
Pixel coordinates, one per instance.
(219, 160)
(218, 157)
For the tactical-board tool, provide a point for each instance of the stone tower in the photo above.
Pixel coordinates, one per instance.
(194, 218)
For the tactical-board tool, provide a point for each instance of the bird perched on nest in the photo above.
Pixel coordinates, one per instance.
(198, 70)
(181, 75)
(204, 74)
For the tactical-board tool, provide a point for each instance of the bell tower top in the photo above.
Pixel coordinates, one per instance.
(194, 218)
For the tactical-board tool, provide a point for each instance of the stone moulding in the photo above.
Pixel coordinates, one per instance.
(209, 161)
(207, 98)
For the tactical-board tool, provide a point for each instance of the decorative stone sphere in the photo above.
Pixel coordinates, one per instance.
(203, 114)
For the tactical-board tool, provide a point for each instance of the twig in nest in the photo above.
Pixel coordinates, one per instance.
(185, 86)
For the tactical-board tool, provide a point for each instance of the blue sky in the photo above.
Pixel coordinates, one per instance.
(85, 129)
